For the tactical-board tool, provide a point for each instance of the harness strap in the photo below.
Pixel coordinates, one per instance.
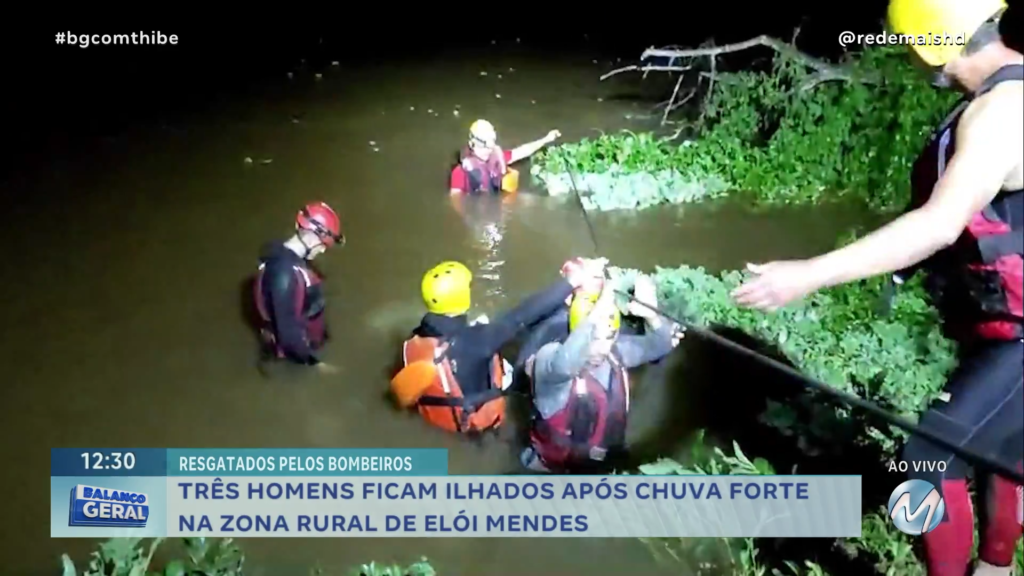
(582, 447)
(468, 404)
(1005, 74)
(996, 246)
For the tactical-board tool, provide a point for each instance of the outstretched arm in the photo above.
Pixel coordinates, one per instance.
(986, 153)
(530, 148)
(990, 143)
(502, 330)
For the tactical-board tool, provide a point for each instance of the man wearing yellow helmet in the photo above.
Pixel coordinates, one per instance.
(965, 229)
(465, 391)
(483, 165)
(581, 385)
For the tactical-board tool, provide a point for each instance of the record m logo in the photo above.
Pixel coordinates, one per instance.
(929, 505)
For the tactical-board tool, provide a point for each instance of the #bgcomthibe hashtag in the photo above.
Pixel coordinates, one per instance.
(151, 38)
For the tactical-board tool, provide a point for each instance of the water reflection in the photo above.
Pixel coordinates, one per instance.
(487, 219)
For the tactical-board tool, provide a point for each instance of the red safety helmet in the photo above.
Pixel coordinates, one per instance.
(322, 220)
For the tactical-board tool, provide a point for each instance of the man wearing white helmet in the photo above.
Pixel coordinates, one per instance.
(483, 165)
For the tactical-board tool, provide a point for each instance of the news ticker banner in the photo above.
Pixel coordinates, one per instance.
(280, 493)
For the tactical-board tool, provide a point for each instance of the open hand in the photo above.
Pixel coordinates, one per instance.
(776, 284)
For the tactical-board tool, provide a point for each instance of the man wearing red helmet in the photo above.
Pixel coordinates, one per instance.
(288, 292)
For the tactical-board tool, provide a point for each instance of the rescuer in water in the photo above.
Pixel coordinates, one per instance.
(581, 386)
(484, 166)
(964, 229)
(288, 292)
(452, 369)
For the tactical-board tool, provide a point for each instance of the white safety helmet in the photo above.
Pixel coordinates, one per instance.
(483, 131)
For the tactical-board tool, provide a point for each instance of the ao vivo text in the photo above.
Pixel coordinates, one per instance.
(917, 466)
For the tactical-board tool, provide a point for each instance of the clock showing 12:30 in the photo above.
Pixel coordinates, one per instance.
(108, 461)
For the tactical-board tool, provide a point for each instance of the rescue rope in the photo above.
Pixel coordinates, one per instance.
(845, 397)
(579, 200)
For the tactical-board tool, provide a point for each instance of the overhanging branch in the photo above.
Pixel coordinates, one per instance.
(823, 71)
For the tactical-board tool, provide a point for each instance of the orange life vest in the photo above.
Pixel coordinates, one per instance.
(443, 403)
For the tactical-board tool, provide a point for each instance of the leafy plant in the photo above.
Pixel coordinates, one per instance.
(835, 336)
(699, 555)
(770, 138)
(205, 557)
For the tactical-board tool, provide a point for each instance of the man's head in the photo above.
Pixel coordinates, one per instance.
(482, 139)
(446, 289)
(605, 326)
(318, 227)
(976, 21)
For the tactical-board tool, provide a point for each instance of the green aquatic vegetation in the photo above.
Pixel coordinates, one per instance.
(837, 336)
(771, 136)
(203, 557)
(889, 550)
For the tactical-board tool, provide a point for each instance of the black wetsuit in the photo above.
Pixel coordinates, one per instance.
(472, 348)
(294, 306)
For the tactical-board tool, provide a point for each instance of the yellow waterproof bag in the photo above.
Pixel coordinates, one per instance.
(510, 181)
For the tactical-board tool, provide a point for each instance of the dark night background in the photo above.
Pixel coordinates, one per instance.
(70, 90)
(72, 93)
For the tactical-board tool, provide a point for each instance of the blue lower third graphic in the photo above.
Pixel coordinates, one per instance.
(95, 506)
(916, 507)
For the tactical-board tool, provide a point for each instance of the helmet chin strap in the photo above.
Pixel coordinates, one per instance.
(986, 34)
(309, 249)
(941, 80)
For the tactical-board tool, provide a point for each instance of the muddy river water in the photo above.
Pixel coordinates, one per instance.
(137, 286)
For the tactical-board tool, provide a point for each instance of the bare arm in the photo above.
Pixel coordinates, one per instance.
(987, 152)
(529, 149)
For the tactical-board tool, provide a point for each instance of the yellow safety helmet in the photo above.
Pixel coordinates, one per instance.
(483, 131)
(445, 288)
(940, 18)
(581, 306)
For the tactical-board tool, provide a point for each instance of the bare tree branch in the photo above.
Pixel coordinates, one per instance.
(645, 69)
(836, 71)
(823, 71)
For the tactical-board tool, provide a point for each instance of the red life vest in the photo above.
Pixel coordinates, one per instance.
(592, 422)
(483, 176)
(309, 304)
(977, 283)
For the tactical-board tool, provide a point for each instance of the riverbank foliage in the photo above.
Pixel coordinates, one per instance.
(201, 557)
(898, 359)
(881, 549)
(769, 136)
